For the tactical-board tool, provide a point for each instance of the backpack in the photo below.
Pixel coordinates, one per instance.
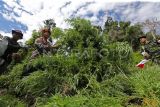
(3, 45)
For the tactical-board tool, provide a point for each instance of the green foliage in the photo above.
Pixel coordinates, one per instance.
(80, 101)
(88, 70)
(133, 32)
(10, 101)
(145, 84)
(35, 35)
(71, 39)
(123, 31)
(120, 52)
(49, 23)
(57, 33)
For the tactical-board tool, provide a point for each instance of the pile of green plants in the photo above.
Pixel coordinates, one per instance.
(87, 70)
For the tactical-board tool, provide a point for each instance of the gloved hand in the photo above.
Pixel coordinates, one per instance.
(146, 55)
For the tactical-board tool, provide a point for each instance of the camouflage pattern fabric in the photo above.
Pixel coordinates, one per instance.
(153, 49)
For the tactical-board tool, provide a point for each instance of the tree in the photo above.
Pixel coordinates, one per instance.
(133, 33)
(49, 23)
(123, 31)
(152, 25)
(35, 35)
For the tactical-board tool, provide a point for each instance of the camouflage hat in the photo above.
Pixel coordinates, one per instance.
(18, 32)
(141, 37)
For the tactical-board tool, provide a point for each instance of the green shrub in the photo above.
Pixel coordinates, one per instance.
(10, 101)
(80, 101)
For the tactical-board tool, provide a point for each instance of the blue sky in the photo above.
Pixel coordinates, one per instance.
(8, 25)
(28, 15)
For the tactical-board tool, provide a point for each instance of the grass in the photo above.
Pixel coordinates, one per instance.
(47, 89)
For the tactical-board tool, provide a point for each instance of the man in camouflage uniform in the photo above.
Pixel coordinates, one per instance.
(43, 46)
(150, 49)
(11, 53)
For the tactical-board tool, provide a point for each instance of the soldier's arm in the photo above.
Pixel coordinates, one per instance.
(146, 55)
(14, 46)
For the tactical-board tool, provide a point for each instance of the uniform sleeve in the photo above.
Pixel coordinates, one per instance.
(152, 48)
(13, 45)
(147, 49)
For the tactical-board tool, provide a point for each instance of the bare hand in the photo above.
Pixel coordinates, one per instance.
(16, 57)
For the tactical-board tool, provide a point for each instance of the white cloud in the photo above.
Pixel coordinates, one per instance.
(44, 9)
(5, 34)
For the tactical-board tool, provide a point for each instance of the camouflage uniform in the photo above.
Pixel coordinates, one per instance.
(153, 49)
